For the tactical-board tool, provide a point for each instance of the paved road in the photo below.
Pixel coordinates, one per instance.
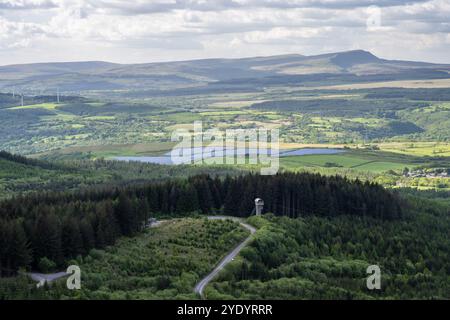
(228, 258)
(42, 277)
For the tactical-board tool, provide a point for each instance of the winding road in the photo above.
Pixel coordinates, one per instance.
(228, 258)
(42, 278)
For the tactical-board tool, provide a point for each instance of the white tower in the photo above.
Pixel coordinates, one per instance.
(259, 204)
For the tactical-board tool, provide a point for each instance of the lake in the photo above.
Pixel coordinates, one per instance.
(206, 152)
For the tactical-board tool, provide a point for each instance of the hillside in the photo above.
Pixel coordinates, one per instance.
(350, 67)
(317, 258)
(106, 214)
(20, 175)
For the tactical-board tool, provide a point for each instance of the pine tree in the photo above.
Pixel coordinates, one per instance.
(4, 247)
(71, 239)
(87, 235)
(125, 215)
(47, 238)
(19, 249)
(231, 205)
(187, 200)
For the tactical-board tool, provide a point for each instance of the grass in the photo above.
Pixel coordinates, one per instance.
(434, 149)
(185, 126)
(234, 104)
(413, 84)
(77, 126)
(106, 151)
(350, 160)
(46, 106)
(100, 118)
(223, 113)
(181, 117)
(96, 104)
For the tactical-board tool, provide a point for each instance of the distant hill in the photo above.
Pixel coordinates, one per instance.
(214, 74)
(8, 100)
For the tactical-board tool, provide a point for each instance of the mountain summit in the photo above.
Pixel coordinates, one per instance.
(351, 58)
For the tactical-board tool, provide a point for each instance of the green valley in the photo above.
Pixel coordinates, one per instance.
(363, 179)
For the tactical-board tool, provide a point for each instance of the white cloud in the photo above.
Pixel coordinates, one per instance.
(141, 31)
(26, 4)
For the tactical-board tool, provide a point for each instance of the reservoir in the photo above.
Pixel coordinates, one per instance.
(198, 153)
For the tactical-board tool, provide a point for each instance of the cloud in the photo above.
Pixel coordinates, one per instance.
(26, 4)
(118, 30)
(145, 7)
(18, 34)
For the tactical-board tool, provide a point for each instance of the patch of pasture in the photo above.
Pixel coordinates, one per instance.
(346, 160)
(46, 106)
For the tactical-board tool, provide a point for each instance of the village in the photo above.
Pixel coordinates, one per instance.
(427, 173)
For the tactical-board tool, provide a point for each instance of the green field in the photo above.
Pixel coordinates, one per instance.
(350, 160)
(46, 106)
(382, 134)
(324, 117)
(430, 149)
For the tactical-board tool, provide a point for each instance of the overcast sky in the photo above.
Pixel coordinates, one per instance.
(162, 30)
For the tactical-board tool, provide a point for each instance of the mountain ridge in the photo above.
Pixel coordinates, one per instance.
(107, 76)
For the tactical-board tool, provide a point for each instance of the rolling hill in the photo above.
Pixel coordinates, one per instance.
(356, 66)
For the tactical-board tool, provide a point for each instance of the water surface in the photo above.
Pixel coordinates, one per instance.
(208, 152)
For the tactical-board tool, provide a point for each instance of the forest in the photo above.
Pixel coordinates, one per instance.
(44, 230)
(22, 175)
(341, 107)
(161, 262)
(327, 258)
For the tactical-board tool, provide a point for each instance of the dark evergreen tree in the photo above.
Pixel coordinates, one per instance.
(125, 215)
(47, 238)
(63, 225)
(71, 238)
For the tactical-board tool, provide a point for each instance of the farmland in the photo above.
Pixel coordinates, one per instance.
(340, 161)
(351, 118)
(383, 131)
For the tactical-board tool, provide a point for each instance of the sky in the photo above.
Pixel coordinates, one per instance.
(140, 31)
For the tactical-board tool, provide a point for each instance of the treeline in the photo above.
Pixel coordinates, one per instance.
(340, 107)
(50, 228)
(50, 234)
(19, 174)
(28, 161)
(422, 94)
(390, 129)
(85, 109)
(321, 79)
